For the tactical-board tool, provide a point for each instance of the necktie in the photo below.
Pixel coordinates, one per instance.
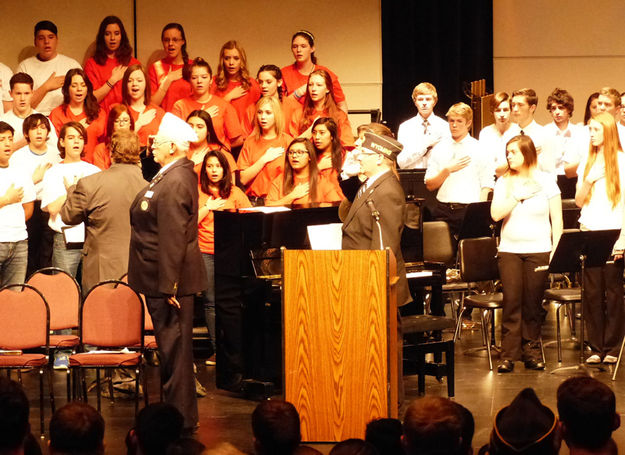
(425, 127)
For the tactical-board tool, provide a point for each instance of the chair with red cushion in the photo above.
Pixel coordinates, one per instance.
(62, 293)
(24, 330)
(111, 320)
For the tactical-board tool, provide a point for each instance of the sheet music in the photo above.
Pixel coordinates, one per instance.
(265, 209)
(325, 236)
(74, 234)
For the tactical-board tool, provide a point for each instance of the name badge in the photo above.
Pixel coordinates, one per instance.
(149, 194)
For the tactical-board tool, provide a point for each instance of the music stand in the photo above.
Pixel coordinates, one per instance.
(577, 250)
(477, 221)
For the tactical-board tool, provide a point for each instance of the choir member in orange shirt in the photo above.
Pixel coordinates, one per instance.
(271, 83)
(169, 79)
(216, 192)
(113, 55)
(136, 95)
(296, 75)
(262, 156)
(225, 119)
(202, 124)
(234, 84)
(301, 183)
(330, 153)
(118, 119)
(320, 102)
(80, 105)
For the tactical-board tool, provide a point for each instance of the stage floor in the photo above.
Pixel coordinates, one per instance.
(226, 417)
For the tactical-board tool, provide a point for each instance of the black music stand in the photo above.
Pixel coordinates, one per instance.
(577, 250)
(477, 221)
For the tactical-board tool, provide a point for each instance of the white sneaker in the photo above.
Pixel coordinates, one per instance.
(609, 359)
(593, 359)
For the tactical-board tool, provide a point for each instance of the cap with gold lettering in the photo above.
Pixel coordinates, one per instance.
(384, 145)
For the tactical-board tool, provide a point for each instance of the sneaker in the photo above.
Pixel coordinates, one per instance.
(200, 391)
(610, 359)
(61, 361)
(593, 359)
(211, 361)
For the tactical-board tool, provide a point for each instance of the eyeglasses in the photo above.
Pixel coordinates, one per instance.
(122, 121)
(297, 152)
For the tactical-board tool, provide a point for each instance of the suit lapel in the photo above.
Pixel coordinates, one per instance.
(359, 201)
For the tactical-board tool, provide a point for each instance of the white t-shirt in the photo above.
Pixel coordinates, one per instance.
(598, 213)
(413, 136)
(40, 71)
(26, 161)
(463, 186)
(5, 77)
(12, 220)
(566, 146)
(54, 185)
(527, 228)
(17, 122)
(494, 143)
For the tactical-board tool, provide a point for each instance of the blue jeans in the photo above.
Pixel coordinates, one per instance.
(63, 258)
(209, 297)
(13, 262)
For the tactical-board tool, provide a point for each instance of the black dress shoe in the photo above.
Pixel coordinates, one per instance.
(506, 366)
(534, 364)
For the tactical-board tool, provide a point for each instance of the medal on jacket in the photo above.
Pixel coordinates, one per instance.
(144, 205)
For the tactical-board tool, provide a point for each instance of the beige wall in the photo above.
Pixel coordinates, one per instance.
(348, 37)
(572, 44)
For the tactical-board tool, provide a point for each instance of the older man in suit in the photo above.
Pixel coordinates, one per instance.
(165, 260)
(102, 201)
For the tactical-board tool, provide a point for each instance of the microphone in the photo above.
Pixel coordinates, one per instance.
(374, 212)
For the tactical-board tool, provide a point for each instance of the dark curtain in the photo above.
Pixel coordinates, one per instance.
(445, 42)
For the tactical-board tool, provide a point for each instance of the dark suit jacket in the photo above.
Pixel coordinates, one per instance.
(165, 258)
(360, 231)
(102, 202)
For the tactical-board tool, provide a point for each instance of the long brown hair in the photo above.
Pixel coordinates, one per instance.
(244, 75)
(338, 152)
(611, 149)
(123, 54)
(90, 103)
(527, 149)
(288, 181)
(309, 106)
(225, 184)
(147, 94)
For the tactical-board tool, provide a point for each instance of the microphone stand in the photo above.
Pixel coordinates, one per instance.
(376, 216)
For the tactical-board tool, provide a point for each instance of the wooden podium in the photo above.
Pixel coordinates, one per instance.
(340, 340)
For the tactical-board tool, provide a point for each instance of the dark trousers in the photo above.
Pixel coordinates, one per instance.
(452, 213)
(173, 329)
(603, 307)
(523, 313)
(40, 240)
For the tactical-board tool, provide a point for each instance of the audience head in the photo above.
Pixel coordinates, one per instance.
(354, 447)
(433, 425)
(125, 147)
(425, 97)
(609, 101)
(521, 154)
(14, 412)
(76, 429)
(36, 128)
(525, 427)
(112, 39)
(276, 428)
(460, 118)
(592, 107)
(136, 84)
(385, 436)
(523, 105)
(186, 446)
(303, 47)
(46, 40)
(269, 78)
(158, 426)
(587, 411)
(72, 135)
(560, 104)
(119, 119)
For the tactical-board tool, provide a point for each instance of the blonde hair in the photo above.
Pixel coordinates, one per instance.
(611, 149)
(278, 116)
(613, 94)
(461, 109)
(424, 88)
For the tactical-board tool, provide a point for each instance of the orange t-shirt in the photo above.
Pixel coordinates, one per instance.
(242, 103)
(346, 136)
(152, 127)
(206, 226)
(326, 193)
(253, 148)
(177, 90)
(226, 122)
(99, 74)
(95, 130)
(102, 156)
(293, 80)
